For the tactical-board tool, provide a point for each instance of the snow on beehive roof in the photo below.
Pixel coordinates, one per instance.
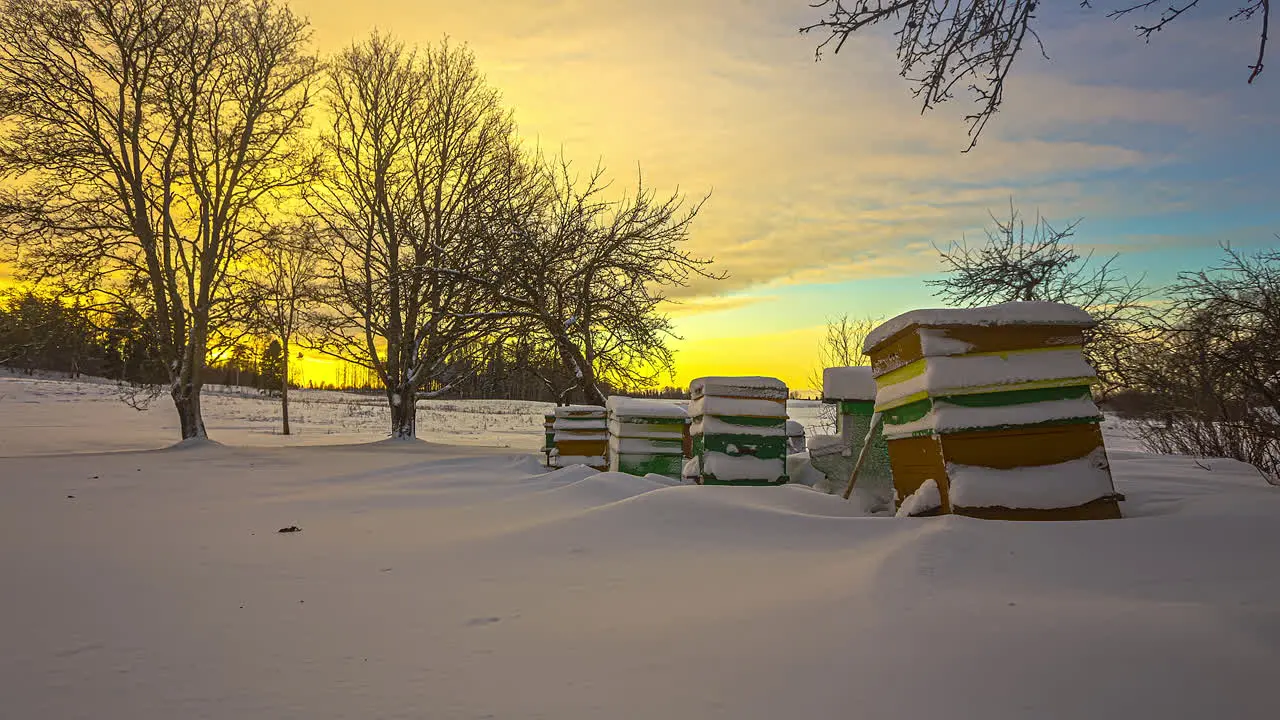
(848, 383)
(1011, 313)
(643, 407)
(581, 410)
(744, 386)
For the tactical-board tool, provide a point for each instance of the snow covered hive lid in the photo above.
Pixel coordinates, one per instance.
(848, 383)
(1011, 313)
(622, 406)
(580, 411)
(746, 386)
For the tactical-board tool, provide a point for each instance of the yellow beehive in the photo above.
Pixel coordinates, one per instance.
(581, 436)
(992, 405)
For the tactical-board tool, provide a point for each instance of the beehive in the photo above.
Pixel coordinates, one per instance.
(994, 405)
(852, 390)
(581, 436)
(646, 436)
(739, 433)
(549, 434)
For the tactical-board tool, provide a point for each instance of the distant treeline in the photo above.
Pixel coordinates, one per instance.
(39, 333)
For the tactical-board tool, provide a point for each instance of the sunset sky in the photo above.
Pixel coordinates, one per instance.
(828, 186)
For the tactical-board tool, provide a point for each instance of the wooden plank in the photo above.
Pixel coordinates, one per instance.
(583, 448)
(1003, 338)
(906, 346)
(914, 460)
(1020, 447)
(902, 349)
(1107, 508)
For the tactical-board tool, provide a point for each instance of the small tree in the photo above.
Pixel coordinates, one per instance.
(841, 347)
(271, 376)
(1012, 266)
(282, 281)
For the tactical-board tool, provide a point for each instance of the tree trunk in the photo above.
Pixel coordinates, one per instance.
(404, 413)
(284, 386)
(186, 398)
(187, 380)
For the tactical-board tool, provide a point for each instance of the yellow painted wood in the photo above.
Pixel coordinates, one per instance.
(1021, 447)
(916, 459)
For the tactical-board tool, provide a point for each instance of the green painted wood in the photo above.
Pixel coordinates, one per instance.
(749, 421)
(1018, 397)
(637, 464)
(910, 412)
(768, 448)
(917, 410)
(857, 407)
(1006, 426)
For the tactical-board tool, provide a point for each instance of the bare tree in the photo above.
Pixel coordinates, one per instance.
(281, 283)
(841, 347)
(1214, 373)
(419, 147)
(142, 140)
(1012, 266)
(943, 45)
(588, 274)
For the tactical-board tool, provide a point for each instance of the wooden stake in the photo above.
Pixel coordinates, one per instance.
(862, 456)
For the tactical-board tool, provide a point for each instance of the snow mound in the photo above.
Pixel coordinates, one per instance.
(926, 497)
(1010, 313)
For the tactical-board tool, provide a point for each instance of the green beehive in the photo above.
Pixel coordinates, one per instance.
(852, 390)
(549, 433)
(646, 436)
(739, 430)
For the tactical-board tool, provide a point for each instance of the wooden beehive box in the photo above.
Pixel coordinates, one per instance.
(853, 392)
(581, 436)
(739, 433)
(646, 436)
(994, 406)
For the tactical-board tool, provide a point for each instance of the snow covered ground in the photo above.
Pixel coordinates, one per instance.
(434, 580)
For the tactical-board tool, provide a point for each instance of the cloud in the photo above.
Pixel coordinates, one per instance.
(826, 171)
(700, 304)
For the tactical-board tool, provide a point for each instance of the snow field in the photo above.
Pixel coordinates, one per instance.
(448, 581)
